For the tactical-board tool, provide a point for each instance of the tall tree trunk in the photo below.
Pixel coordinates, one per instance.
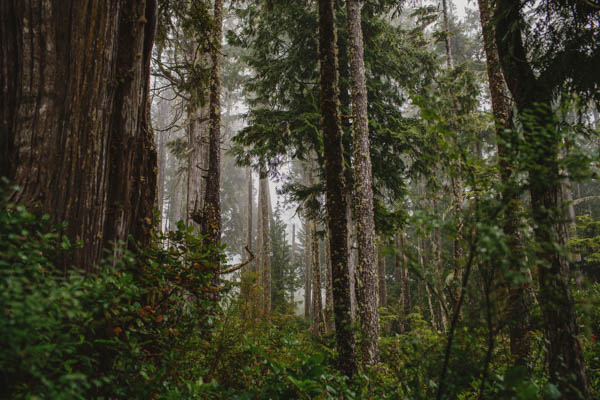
(247, 271)
(293, 261)
(318, 326)
(211, 215)
(335, 187)
(329, 323)
(448, 48)
(363, 192)
(175, 203)
(518, 299)
(162, 163)
(258, 287)
(351, 258)
(266, 244)
(405, 277)
(381, 272)
(456, 181)
(438, 274)
(197, 163)
(74, 119)
(565, 355)
(307, 272)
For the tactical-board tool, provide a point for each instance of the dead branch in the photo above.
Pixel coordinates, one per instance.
(240, 266)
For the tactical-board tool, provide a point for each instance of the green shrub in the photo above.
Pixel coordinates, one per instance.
(124, 332)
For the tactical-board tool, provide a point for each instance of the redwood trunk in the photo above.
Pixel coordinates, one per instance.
(74, 116)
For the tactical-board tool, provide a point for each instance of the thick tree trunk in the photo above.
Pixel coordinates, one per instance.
(211, 215)
(74, 116)
(363, 192)
(518, 299)
(565, 355)
(335, 187)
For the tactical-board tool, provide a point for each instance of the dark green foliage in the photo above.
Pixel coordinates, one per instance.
(124, 332)
(285, 276)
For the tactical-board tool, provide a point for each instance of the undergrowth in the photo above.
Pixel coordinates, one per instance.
(148, 326)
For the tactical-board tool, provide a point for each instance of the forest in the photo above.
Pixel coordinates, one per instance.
(307, 199)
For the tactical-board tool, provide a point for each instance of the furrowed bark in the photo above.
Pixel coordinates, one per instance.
(211, 215)
(363, 191)
(335, 187)
(74, 117)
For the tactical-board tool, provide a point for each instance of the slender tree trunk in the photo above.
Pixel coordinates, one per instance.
(307, 272)
(381, 272)
(74, 117)
(318, 326)
(335, 187)
(351, 258)
(363, 191)
(247, 271)
(329, 323)
(293, 261)
(457, 187)
(438, 274)
(406, 298)
(211, 215)
(259, 282)
(266, 243)
(162, 164)
(197, 163)
(518, 299)
(175, 203)
(564, 352)
(449, 60)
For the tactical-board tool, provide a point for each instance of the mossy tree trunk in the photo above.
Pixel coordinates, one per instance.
(211, 215)
(335, 187)
(363, 191)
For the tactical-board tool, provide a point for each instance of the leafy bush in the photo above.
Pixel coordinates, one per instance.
(123, 332)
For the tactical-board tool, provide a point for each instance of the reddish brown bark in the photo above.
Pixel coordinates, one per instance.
(75, 116)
